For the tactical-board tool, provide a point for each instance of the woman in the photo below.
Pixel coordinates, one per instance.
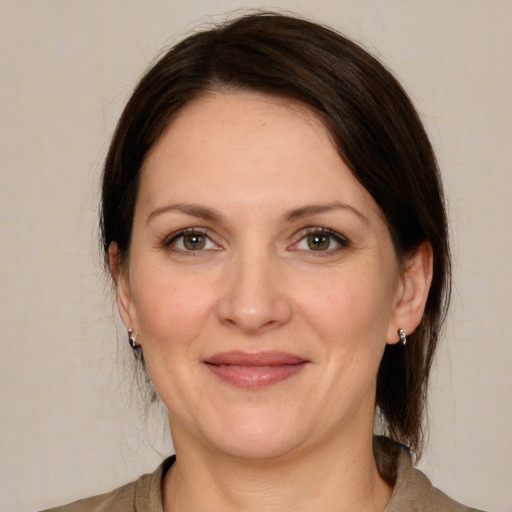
(273, 218)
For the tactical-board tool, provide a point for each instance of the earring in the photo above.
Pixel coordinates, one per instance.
(132, 339)
(402, 336)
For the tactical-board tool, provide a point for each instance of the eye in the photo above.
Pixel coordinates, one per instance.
(320, 240)
(191, 239)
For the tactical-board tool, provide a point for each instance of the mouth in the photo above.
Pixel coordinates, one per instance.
(254, 371)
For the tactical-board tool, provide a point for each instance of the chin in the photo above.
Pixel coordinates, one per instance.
(257, 438)
(257, 448)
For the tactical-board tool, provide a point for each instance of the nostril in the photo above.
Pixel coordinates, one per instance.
(252, 294)
(254, 317)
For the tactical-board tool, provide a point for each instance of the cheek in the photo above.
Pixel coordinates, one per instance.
(172, 313)
(170, 309)
(347, 305)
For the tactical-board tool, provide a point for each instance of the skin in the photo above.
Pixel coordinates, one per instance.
(251, 176)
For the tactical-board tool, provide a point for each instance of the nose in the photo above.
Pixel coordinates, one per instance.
(255, 296)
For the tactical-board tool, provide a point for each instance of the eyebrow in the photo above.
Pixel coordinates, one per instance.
(195, 210)
(314, 209)
(211, 214)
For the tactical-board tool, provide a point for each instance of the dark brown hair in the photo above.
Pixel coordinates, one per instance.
(376, 130)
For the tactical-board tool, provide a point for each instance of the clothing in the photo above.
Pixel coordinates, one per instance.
(143, 495)
(412, 492)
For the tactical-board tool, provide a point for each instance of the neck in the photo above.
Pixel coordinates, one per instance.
(341, 479)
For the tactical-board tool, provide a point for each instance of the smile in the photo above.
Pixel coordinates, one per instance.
(254, 370)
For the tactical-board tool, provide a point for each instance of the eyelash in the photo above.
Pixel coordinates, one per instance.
(170, 242)
(342, 241)
(339, 239)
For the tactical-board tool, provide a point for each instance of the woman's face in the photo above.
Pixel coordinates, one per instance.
(262, 280)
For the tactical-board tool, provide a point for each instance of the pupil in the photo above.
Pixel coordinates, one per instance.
(194, 242)
(318, 242)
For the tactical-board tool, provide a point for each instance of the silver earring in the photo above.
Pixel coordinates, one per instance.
(132, 338)
(402, 336)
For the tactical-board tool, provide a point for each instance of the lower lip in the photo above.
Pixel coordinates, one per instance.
(255, 377)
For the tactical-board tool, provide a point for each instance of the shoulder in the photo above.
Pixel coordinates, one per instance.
(143, 495)
(413, 491)
(119, 500)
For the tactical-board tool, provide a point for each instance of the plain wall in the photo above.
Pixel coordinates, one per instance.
(68, 425)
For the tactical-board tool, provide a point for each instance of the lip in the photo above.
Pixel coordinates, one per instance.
(254, 370)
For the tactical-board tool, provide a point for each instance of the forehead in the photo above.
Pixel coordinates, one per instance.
(230, 122)
(251, 147)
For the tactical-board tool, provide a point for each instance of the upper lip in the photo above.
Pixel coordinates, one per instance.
(264, 358)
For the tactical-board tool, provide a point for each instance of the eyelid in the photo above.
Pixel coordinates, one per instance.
(169, 241)
(339, 238)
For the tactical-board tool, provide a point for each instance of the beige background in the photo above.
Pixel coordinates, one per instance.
(68, 427)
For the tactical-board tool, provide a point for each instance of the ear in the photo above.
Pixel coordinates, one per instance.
(413, 293)
(123, 293)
